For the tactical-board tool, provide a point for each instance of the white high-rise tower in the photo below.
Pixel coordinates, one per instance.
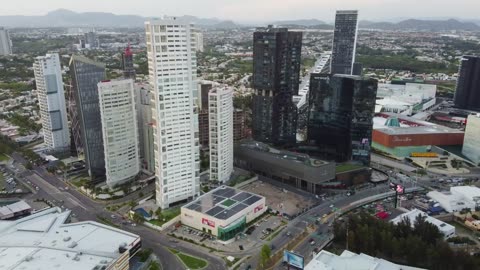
(51, 99)
(5, 42)
(119, 129)
(173, 68)
(220, 114)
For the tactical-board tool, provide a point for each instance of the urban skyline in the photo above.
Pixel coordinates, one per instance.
(242, 148)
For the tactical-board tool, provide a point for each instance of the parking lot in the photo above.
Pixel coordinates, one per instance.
(265, 227)
(278, 199)
(8, 183)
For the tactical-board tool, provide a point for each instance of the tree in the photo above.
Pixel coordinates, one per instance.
(154, 266)
(132, 203)
(158, 212)
(29, 165)
(138, 218)
(265, 254)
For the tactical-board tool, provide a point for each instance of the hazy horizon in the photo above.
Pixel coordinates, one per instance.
(248, 11)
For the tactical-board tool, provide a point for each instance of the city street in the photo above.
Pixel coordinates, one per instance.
(51, 188)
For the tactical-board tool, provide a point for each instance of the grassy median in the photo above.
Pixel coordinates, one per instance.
(189, 261)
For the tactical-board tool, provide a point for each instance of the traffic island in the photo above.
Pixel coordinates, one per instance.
(189, 261)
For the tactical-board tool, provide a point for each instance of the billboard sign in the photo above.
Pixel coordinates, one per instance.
(258, 208)
(208, 222)
(397, 188)
(293, 259)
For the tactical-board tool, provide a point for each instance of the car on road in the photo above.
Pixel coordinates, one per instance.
(113, 216)
(324, 216)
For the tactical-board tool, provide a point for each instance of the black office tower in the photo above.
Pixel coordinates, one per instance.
(467, 94)
(340, 118)
(344, 42)
(276, 78)
(85, 116)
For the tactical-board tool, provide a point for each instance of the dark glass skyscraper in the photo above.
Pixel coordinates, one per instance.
(344, 42)
(340, 119)
(85, 116)
(276, 77)
(127, 64)
(467, 95)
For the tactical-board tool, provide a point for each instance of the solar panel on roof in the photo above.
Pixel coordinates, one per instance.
(193, 206)
(215, 210)
(252, 200)
(241, 196)
(239, 207)
(225, 192)
(226, 214)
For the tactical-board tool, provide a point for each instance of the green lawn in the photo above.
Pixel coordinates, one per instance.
(347, 167)
(2, 181)
(228, 202)
(3, 157)
(166, 216)
(189, 261)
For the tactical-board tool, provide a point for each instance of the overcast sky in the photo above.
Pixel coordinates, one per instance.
(255, 10)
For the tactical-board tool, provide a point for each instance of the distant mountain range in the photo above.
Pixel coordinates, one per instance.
(68, 18)
(308, 22)
(422, 25)
(410, 24)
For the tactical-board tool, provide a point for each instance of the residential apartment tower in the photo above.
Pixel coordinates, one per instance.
(51, 100)
(173, 68)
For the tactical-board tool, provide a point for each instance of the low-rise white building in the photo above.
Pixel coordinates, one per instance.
(14, 210)
(45, 240)
(458, 198)
(119, 129)
(446, 229)
(348, 260)
(223, 212)
(406, 99)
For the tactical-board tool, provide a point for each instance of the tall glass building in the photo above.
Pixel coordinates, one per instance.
(344, 42)
(467, 94)
(85, 114)
(276, 77)
(340, 118)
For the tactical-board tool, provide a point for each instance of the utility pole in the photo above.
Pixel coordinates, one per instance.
(347, 235)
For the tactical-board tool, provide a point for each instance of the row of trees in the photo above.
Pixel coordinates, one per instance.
(420, 246)
(24, 122)
(265, 254)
